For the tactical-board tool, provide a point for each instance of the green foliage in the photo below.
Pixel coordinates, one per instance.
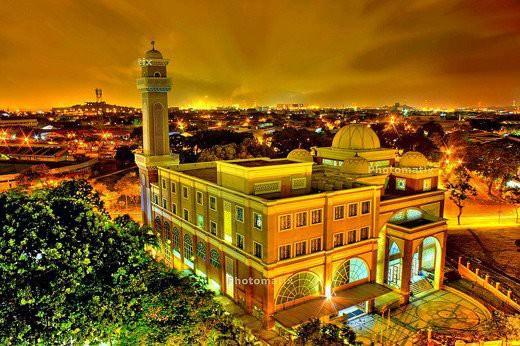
(69, 273)
(314, 332)
(460, 189)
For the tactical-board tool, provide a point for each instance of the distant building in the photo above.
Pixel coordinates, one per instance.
(94, 109)
(18, 122)
(300, 237)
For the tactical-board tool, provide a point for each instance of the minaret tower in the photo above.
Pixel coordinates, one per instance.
(154, 86)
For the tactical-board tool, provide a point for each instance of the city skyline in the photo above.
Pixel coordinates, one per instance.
(435, 54)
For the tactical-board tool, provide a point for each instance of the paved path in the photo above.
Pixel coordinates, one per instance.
(440, 310)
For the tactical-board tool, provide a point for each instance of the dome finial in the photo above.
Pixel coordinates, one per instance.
(153, 44)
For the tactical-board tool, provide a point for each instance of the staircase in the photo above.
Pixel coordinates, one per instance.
(421, 285)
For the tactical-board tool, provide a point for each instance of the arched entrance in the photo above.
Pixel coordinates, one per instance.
(426, 266)
(395, 265)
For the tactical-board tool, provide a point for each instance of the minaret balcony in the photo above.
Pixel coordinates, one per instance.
(154, 84)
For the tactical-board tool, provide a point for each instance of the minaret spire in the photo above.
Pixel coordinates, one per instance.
(153, 44)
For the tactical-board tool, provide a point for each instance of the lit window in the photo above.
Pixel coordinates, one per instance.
(214, 258)
(240, 241)
(352, 236)
(352, 209)
(200, 221)
(316, 216)
(427, 184)
(284, 252)
(365, 207)
(400, 184)
(200, 198)
(339, 212)
(201, 251)
(285, 222)
(258, 249)
(239, 214)
(338, 239)
(301, 219)
(300, 248)
(188, 247)
(257, 221)
(212, 202)
(315, 245)
(213, 227)
(365, 233)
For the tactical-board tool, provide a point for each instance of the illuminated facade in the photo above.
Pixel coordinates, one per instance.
(310, 235)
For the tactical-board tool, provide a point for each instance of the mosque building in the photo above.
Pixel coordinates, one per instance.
(323, 233)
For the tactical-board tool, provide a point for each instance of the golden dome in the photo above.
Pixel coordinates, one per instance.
(153, 54)
(413, 159)
(300, 155)
(356, 165)
(356, 137)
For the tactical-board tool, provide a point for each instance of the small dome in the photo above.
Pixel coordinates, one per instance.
(356, 165)
(153, 54)
(413, 159)
(356, 137)
(300, 155)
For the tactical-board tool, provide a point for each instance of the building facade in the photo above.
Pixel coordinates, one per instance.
(317, 234)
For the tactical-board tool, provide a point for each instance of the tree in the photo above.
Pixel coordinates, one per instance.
(512, 196)
(290, 138)
(71, 274)
(128, 187)
(314, 332)
(460, 189)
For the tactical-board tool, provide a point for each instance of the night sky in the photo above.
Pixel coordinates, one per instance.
(443, 53)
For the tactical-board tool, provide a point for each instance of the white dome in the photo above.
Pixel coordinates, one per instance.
(300, 155)
(356, 137)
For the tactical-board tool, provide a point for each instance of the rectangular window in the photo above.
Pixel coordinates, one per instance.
(200, 198)
(316, 216)
(352, 209)
(155, 199)
(338, 239)
(300, 248)
(427, 184)
(212, 202)
(339, 212)
(365, 233)
(258, 251)
(315, 245)
(174, 208)
(400, 184)
(352, 236)
(284, 252)
(174, 188)
(239, 213)
(301, 219)
(186, 214)
(164, 183)
(184, 192)
(285, 222)
(240, 241)
(257, 221)
(365, 207)
(165, 203)
(213, 227)
(200, 221)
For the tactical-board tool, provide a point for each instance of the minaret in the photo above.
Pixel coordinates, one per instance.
(154, 86)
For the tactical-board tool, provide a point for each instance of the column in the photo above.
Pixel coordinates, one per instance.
(406, 271)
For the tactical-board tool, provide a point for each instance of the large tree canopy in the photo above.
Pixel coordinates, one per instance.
(70, 273)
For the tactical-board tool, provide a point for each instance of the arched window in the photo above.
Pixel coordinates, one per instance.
(176, 238)
(201, 250)
(188, 247)
(157, 74)
(394, 249)
(214, 258)
(167, 238)
(157, 224)
(298, 286)
(351, 270)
